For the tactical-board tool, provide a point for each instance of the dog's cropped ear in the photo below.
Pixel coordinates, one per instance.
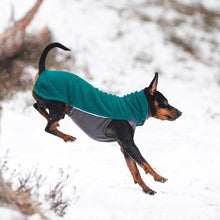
(153, 85)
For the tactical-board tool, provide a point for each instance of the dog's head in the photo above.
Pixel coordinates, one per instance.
(159, 106)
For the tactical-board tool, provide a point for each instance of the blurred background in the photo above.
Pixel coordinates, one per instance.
(179, 39)
(117, 46)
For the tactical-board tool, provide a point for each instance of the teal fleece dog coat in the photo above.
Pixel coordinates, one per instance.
(74, 91)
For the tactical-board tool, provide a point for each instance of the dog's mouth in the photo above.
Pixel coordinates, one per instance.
(169, 115)
(170, 118)
(174, 117)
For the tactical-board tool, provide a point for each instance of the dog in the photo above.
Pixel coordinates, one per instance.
(104, 117)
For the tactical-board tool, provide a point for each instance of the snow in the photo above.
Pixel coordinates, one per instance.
(185, 151)
(8, 214)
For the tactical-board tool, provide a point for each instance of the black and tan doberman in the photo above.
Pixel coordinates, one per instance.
(121, 131)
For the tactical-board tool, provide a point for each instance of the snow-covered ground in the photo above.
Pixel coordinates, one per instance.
(113, 47)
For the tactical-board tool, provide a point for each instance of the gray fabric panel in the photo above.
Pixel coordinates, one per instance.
(94, 126)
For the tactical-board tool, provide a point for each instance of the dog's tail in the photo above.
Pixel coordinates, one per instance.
(45, 52)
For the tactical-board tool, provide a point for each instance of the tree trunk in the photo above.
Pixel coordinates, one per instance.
(12, 41)
(18, 49)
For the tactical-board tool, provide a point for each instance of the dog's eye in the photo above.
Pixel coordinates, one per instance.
(165, 102)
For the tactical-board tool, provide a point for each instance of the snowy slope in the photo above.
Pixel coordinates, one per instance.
(185, 151)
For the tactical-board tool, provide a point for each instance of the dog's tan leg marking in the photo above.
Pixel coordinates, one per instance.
(65, 137)
(148, 169)
(42, 111)
(135, 173)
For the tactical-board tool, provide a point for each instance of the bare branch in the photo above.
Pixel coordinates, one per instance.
(12, 40)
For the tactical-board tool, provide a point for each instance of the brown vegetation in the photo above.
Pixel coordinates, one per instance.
(16, 52)
(21, 192)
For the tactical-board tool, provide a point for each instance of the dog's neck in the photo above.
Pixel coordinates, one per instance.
(149, 112)
(150, 101)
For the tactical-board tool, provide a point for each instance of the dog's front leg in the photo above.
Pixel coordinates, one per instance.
(135, 173)
(130, 147)
(148, 169)
(125, 134)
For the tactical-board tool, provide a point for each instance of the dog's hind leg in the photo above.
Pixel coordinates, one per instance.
(42, 111)
(41, 106)
(135, 173)
(57, 112)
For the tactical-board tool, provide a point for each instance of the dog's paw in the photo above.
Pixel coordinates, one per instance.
(161, 180)
(69, 138)
(149, 191)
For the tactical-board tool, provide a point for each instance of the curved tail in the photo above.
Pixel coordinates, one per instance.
(45, 52)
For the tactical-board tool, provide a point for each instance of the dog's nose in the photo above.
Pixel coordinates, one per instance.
(179, 113)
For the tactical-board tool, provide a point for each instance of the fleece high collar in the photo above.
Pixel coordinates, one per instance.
(73, 90)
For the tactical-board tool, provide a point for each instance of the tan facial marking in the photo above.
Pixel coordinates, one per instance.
(162, 113)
